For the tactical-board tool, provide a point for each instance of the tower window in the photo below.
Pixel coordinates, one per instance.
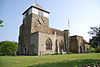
(40, 12)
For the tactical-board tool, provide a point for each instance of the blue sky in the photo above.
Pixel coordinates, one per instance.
(82, 15)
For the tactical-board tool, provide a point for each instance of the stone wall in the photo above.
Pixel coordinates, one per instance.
(34, 43)
(42, 43)
(24, 36)
(73, 45)
(77, 44)
(36, 26)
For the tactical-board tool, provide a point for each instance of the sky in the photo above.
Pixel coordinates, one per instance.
(82, 14)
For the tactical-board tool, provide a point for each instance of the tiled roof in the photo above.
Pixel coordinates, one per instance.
(85, 42)
(58, 32)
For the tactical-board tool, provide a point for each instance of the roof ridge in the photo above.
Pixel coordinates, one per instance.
(56, 29)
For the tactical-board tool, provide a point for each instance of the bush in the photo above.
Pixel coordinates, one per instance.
(97, 49)
(8, 48)
(91, 49)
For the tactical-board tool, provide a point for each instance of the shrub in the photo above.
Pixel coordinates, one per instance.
(91, 49)
(8, 48)
(97, 49)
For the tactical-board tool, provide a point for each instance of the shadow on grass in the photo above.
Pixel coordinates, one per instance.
(76, 63)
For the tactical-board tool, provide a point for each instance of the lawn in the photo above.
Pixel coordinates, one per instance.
(66, 60)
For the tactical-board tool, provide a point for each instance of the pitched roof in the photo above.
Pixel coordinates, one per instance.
(37, 6)
(58, 32)
(85, 42)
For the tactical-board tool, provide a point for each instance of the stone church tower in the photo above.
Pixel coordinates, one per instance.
(37, 38)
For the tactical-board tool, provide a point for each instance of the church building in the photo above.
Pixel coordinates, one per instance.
(37, 38)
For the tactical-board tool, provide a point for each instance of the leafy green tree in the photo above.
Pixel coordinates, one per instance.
(95, 40)
(1, 21)
(8, 48)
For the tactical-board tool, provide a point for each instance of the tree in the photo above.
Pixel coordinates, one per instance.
(8, 48)
(95, 40)
(1, 21)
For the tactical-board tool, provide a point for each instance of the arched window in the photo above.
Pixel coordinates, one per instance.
(48, 44)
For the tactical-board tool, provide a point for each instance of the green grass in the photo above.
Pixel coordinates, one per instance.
(67, 60)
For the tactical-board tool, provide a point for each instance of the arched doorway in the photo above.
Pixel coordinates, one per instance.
(81, 50)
